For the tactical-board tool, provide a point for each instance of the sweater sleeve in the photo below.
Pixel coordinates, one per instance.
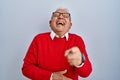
(30, 67)
(86, 68)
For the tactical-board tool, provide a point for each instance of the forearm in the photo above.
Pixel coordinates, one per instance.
(85, 69)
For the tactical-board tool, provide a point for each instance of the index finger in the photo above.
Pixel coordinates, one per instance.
(67, 52)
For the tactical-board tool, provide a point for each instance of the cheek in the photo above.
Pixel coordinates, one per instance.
(53, 21)
(68, 25)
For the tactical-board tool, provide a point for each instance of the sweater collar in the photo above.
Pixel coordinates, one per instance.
(53, 35)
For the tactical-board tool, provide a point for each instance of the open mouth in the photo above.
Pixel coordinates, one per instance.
(60, 23)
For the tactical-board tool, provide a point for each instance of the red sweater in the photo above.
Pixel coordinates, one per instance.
(45, 56)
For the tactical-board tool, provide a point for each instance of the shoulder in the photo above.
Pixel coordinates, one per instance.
(42, 35)
(77, 39)
(75, 36)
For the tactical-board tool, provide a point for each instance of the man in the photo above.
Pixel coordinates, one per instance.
(57, 55)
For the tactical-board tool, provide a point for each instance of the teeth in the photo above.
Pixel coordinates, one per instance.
(60, 23)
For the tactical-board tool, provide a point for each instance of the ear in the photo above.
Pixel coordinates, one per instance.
(50, 23)
(70, 24)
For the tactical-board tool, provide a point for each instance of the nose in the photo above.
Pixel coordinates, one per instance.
(60, 16)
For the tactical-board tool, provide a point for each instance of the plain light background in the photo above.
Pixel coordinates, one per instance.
(97, 21)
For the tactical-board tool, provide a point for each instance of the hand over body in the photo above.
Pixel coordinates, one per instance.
(60, 75)
(74, 57)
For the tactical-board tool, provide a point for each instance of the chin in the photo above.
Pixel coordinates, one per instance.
(60, 30)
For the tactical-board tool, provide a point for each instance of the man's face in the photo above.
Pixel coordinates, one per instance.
(60, 22)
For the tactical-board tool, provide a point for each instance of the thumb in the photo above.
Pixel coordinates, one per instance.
(67, 52)
(63, 72)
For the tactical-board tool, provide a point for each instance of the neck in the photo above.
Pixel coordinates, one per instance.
(60, 34)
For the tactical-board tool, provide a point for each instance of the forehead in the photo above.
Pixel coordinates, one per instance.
(62, 10)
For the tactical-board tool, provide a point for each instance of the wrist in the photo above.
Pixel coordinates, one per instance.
(82, 59)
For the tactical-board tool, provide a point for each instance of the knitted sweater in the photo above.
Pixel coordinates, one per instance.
(46, 56)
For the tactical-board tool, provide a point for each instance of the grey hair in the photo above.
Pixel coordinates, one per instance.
(63, 9)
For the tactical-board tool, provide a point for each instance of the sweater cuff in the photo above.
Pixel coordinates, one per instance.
(51, 76)
(80, 65)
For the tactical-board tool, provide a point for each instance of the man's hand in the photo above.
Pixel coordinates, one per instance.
(74, 56)
(60, 75)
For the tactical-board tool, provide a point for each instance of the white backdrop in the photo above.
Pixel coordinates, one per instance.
(97, 21)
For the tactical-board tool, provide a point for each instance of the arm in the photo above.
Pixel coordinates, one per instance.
(30, 67)
(86, 68)
(74, 57)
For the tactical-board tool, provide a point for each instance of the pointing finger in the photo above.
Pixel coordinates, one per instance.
(67, 52)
